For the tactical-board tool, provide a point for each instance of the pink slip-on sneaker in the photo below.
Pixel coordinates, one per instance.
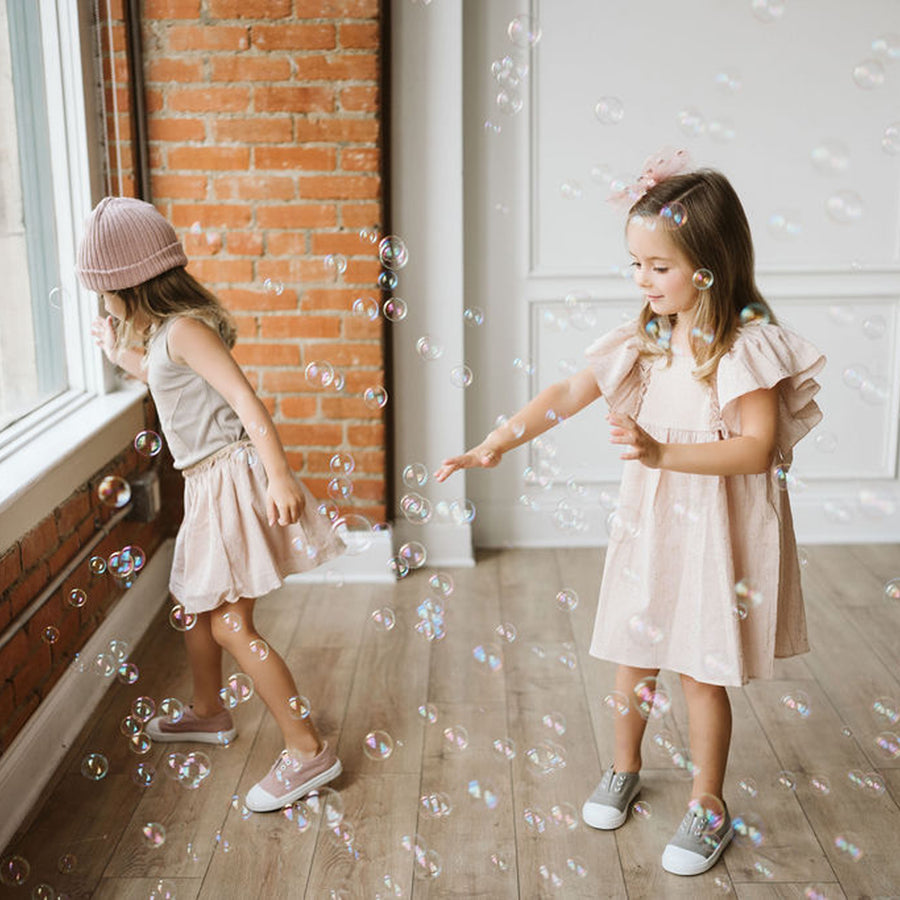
(292, 778)
(217, 729)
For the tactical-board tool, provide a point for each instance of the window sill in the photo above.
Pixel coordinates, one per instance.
(39, 476)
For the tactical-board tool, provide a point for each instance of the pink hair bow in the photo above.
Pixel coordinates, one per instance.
(657, 168)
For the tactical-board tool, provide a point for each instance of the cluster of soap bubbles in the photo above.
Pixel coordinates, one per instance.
(322, 374)
(189, 769)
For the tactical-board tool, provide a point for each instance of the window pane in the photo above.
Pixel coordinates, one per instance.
(32, 362)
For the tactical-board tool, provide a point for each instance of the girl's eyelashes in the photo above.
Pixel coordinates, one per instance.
(634, 264)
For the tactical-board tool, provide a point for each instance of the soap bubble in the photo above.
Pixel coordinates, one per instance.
(441, 583)
(97, 565)
(384, 618)
(754, 312)
(128, 673)
(398, 567)
(120, 563)
(767, 11)
(114, 491)
(844, 207)
(472, 315)
(378, 745)
(509, 101)
(721, 130)
(140, 743)
(507, 631)
(524, 31)
(703, 279)
(392, 252)
(545, 757)
(413, 554)
(181, 620)
(172, 709)
(319, 373)
(66, 864)
(299, 707)
(609, 110)
(748, 830)
(890, 141)
(94, 766)
(394, 309)
(691, 122)
(340, 489)
(336, 262)
(456, 738)
(616, 704)
(888, 744)
(673, 215)
(415, 475)
(488, 656)
(272, 286)
(375, 397)
(370, 235)
(366, 308)
(555, 721)
(461, 376)
(428, 348)
(567, 600)
(154, 834)
(14, 870)
(504, 747)
(874, 327)
(710, 810)
(729, 81)
(435, 806)
(830, 157)
(784, 224)
(641, 809)
(143, 708)
(50, 634)
(869, 74)
(462, 512)
(849, 846)
(342, 463)
(147, 443)
(796, 705)
(242, 686)
(428, 712)
(388, 280)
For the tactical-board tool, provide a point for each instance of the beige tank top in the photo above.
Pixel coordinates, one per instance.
(195, 418)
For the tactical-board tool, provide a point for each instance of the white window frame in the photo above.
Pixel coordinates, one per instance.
(46, 455)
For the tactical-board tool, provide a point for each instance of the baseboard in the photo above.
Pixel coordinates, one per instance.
(41, 745)
(365, 562)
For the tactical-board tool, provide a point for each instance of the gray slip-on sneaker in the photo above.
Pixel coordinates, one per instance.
(607, 807)
(697, 846)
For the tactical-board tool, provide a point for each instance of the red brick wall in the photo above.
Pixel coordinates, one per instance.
(29, 664)
(264, 131)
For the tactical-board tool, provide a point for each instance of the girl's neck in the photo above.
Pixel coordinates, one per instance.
(681, 331)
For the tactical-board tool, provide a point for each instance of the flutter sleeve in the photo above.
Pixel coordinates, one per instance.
(615, 362)
(767, 356)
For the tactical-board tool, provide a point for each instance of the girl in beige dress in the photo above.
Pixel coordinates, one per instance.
(707, 396)
(248, 521)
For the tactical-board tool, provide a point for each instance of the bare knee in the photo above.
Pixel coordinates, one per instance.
(231, 626)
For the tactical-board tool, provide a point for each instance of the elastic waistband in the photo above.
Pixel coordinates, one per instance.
(244, 445)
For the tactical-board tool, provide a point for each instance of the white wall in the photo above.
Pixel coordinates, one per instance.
(537, 228)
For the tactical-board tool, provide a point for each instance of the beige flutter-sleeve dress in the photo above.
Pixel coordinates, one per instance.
(701, 574)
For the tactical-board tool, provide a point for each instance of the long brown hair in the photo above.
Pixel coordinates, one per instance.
(714, 235)
(174, 293)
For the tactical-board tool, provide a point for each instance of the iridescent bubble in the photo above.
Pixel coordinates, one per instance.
(888, 744)
(340, 489)
(388, 280)
(623, 523)
(441, 583)
(748, 786)
(651, 699)
(567, 600)
(488, 656)
(232, 622)
(461, 376)
(555, 721)
(874, 327)
(616, 704)
(890, 141)
(428, 348)
(383, 618)
(415, 475)
(524, 31)
(641, 810)
(242, 686)
(844, 207)
(507, 631)
(767, 11)
(456, 738)
(398, 567)
(181, 620)
(97, 565)
(392, 252)
(131, 726)
(571, 190)
(848, 845)
(299, 707)
(319, 373)
(272, 286)
(609, 110)
(375, 397)
(104, 665)
(369, 235)
(499, 862)
(487, 794)
(462, 512)
(509, 101)
(504, 747)
(869, 74)
(729, 81)
(428, 712)
(413, 554)
(147, 443)
(722, 130)
(748, 830)
(365, 308)
(545, 757)
(434, 806)
(140, 743)
(154, 834)
(702, 279)
(378, 745)
(128, 673)
(673, 215)
(394, 309)
(94, 766)
(535, 819)
(114, 491)
(710, 810)
(754, 312)
(143, 709)
(416, 508)
(885, 710)
(691, 122)
(796, 705)
(172, 709)
(336, 262)
(472, 315)
(820, 784)
(121, 563)
(49, 634)
(66, 864)
(784, 224)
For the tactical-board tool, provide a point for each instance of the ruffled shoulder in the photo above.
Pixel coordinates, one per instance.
(765, 356)
(615, 361)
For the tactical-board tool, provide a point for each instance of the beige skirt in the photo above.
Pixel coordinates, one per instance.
(225, 548)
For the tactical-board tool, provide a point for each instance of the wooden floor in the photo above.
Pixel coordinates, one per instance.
(505, 829)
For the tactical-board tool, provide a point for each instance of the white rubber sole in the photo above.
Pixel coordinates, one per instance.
(679, 861)
(605, 818)
(260, 800)
(190, 737)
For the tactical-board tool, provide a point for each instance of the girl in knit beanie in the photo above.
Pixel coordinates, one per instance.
(248, 521)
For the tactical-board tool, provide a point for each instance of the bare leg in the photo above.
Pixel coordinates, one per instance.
(709, 714)
(630, 728)
(205, 656)
(272, 678)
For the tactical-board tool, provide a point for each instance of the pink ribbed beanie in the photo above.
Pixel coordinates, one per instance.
(126, 242)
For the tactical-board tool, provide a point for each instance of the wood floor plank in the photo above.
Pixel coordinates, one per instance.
(141, 888)
(824, 891)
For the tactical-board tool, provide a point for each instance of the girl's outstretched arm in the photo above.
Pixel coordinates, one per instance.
(747, 454)
(195, 344)
(551, 405)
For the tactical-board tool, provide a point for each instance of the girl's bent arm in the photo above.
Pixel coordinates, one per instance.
(550, 406)
(195, 344)
(747, 454)
(129, 359)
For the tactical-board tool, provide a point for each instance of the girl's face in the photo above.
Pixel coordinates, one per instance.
(661, 271)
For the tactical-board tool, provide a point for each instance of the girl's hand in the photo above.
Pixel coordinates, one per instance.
(481, 456)
(284, 500)
(641, 447)
(104, 334)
